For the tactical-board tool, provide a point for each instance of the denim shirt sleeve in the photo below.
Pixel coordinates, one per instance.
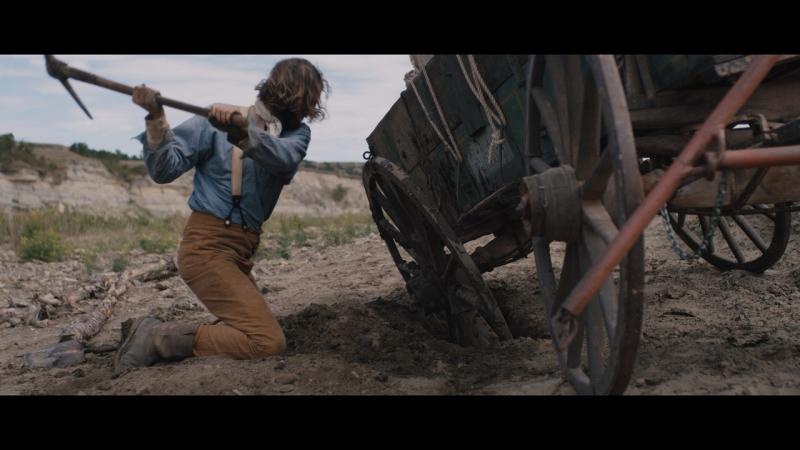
(282, 154)
(182, 148)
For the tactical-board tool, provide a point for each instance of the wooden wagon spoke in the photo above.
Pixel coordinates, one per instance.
(595, 186)
(595, 246)
(575, 104)
(729, 238)
(546, 275)
(393, 233)
(595, 340)
(766, 214)
(554, 67)
(704, 226)
(750, 232)
(681, 219)
(390, 207)
(589, 147)
(597, 218)
(549, 118)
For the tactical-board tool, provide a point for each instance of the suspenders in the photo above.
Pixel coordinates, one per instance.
(236, 184)
(236, 180)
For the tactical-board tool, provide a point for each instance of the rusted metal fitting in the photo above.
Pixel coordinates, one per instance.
(710, 166)
(554, 204)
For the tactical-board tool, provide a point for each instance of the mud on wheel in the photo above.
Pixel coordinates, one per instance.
(576, 115)
(438, 271)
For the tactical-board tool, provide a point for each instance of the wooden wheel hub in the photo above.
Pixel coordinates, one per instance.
(553, 209)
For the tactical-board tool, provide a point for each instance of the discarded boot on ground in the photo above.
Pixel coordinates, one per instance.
(147, 340)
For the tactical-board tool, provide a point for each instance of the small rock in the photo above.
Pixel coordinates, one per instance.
(78, 373)
(382, 377)
(161, 286)
(144, 390)
(16, 303)
(104, 386)
(48, 299)
(639, 382)
(775, 289)
(674, 292)
(280, 365)
(285, 378)
(286, 388)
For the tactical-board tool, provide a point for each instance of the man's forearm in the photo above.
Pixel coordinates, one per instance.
(157, 128)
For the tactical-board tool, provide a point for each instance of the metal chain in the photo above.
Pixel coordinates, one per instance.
(709, 232)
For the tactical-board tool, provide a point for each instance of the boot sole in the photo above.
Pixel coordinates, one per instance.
(123, 348)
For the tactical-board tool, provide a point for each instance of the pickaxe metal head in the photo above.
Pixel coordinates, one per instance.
(60, 71)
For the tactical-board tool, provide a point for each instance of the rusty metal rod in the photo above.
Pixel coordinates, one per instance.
(760, 157)
(588, 286)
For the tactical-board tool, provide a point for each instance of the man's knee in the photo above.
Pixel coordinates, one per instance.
(270, 347)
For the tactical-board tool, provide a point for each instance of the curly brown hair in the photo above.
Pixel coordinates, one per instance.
(294, 91)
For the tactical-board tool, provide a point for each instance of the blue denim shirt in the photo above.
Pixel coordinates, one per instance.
(271, 164)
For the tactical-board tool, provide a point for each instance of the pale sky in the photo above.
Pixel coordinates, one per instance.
(36, 108)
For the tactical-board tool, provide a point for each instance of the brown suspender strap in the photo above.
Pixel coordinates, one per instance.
(236, 171)
(237, 164)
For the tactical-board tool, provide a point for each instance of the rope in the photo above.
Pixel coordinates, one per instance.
(452, 145)
(494, 114)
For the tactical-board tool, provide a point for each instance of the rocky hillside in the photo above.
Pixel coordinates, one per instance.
(57, 177)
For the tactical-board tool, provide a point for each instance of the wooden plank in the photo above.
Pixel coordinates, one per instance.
(403, 137)
(426, 136)
(458, 103)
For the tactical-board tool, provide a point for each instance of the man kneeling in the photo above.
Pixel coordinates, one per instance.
(239, 175)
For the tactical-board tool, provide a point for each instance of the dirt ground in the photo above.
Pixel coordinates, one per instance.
(351, 329)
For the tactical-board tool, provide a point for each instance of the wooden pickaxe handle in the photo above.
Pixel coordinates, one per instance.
(61, 71)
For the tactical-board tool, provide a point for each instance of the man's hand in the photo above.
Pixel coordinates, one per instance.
(221, 116)
(146, 98)
(222, 113)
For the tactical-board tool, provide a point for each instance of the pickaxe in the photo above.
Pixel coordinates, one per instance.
(63, 72)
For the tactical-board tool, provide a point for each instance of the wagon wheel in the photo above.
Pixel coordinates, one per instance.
(576, 110)
(739, 241)
(440, 272)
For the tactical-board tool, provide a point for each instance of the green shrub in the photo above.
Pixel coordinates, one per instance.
(119, 264)
(89, 260)
(339, 193)
(15, 155)
(157, 245)
(41, 244)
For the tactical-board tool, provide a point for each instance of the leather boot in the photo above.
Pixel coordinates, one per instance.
(149, 340)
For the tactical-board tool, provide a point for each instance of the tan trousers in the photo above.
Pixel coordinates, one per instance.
(214, 261)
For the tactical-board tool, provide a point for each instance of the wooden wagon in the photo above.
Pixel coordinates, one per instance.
(586, 150)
